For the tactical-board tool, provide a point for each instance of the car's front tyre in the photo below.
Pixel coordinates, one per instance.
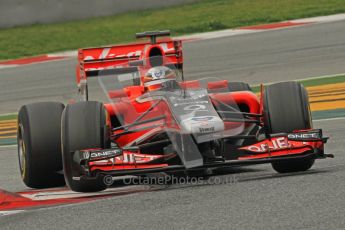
(286, 109)
(83, 127)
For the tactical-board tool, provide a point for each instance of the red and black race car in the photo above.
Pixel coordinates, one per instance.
(156, 121)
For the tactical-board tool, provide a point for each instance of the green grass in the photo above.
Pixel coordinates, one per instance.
(206, 15)
(323, 81)
(8, 141)
(335, 113)
(8, 117)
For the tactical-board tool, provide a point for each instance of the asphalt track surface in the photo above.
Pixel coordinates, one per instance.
(261, 199)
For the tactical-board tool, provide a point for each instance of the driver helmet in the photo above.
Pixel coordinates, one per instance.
(158, 77)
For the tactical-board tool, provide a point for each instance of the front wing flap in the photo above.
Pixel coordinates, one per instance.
(285, 144)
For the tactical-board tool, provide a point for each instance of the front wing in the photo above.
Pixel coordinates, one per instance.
(129, 161)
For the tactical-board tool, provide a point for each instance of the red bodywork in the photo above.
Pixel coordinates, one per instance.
(92, 60)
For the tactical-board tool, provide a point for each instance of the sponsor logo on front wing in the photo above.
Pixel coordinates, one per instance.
(301, 136)
(105, 154)
(136, 158)
(131, 158)
(266, 146)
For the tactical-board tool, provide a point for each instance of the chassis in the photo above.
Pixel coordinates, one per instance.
(209, 125)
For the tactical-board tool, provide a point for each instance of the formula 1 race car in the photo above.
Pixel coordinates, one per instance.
(156, 121)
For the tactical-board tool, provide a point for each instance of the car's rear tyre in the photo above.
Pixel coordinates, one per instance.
(83, 127)
(286, 108)
(238, 86)
(39, 146)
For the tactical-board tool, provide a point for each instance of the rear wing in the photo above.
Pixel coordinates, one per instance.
(120, 57)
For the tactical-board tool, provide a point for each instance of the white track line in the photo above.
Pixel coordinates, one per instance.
(7, 146)
(68, 194)
(6, 213)
(239, 31)
(325, 76)
(217, 34)
(330, 119)
(7, 66)
(322, 19)
(7, 114)
(70, 53)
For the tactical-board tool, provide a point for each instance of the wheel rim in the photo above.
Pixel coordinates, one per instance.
(21, 152)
